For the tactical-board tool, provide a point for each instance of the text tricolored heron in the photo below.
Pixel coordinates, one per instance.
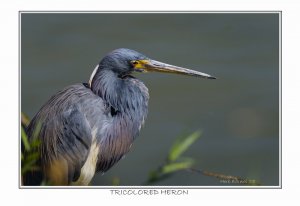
(87, 128)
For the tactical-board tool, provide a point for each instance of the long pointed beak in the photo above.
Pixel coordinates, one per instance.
(156, 66)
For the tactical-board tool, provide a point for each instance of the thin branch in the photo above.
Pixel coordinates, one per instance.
(226, 179)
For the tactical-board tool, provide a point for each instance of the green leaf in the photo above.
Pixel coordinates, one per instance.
(115, 181)
(173, 167)
(35, 143)
(153, 176)
(25, 139)
(37, 130)
(30, 167)
(181, 145)
(32, 156)
(24, 119)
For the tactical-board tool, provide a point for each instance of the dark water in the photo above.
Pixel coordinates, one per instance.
(238, 113)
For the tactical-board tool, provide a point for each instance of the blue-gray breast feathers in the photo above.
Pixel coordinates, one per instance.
(75, 118)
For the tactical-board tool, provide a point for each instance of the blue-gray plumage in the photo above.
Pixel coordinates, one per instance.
(86, 128)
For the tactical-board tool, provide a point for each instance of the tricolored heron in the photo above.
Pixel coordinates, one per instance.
(87, 128)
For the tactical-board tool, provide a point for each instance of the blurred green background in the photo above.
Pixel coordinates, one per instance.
(238, 113)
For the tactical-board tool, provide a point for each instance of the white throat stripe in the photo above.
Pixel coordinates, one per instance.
(92, 75)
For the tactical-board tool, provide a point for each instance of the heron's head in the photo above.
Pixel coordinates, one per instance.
(121, 61)
(124, 62)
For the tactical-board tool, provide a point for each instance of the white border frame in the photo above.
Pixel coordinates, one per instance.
(156, 187)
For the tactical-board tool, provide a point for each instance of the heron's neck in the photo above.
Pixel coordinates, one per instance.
(128, 96)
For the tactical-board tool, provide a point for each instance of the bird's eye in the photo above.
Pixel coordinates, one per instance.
(134, 62)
